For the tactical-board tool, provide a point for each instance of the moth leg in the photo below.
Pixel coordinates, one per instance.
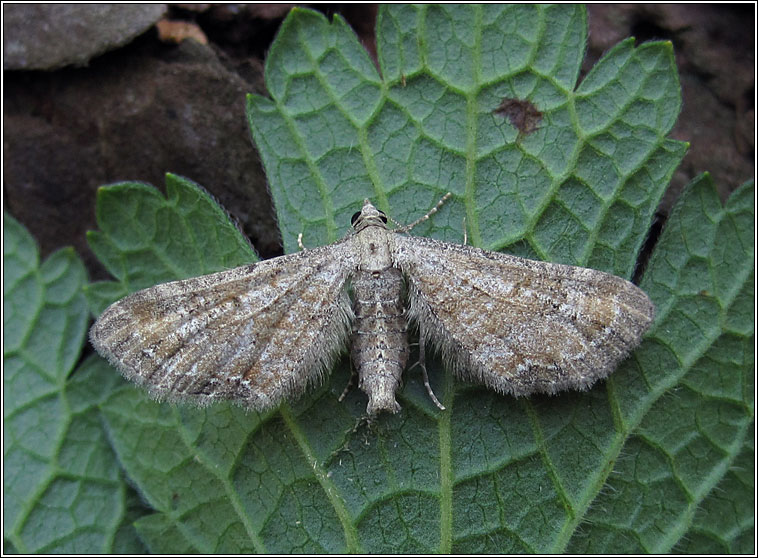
(300, 242)
(422, 363)
(348, 435)
(465, 232)
(349, 385)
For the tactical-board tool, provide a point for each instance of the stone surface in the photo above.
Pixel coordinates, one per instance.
(50, 36)
(131, 115)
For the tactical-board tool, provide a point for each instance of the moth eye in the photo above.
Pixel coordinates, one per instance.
(354, 218)
(383, 217)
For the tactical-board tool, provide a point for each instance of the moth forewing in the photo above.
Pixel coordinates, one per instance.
(516, 325)
(257, 334)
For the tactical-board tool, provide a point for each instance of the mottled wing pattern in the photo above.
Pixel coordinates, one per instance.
(520, 326)
(256, 334)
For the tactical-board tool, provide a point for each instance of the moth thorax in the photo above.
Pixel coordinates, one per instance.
(375, 255)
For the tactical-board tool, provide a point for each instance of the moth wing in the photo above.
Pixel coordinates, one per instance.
(520, 326)
(256, 334)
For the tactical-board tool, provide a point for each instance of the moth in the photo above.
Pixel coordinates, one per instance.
(261, 333)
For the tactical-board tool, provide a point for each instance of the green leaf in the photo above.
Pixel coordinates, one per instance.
(725, 520)
(63, 490)
(334, 133)
(685, 410)
(146, 238)
(634, 464)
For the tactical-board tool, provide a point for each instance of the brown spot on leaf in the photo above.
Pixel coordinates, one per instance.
(523, 115)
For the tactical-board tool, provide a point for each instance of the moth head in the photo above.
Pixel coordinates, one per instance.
(367, 217)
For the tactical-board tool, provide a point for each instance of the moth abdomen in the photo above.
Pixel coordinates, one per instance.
(379, 344)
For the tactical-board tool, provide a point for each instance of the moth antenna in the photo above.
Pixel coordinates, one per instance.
(420, 220)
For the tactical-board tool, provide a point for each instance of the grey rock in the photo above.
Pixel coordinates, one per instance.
(49, 36)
